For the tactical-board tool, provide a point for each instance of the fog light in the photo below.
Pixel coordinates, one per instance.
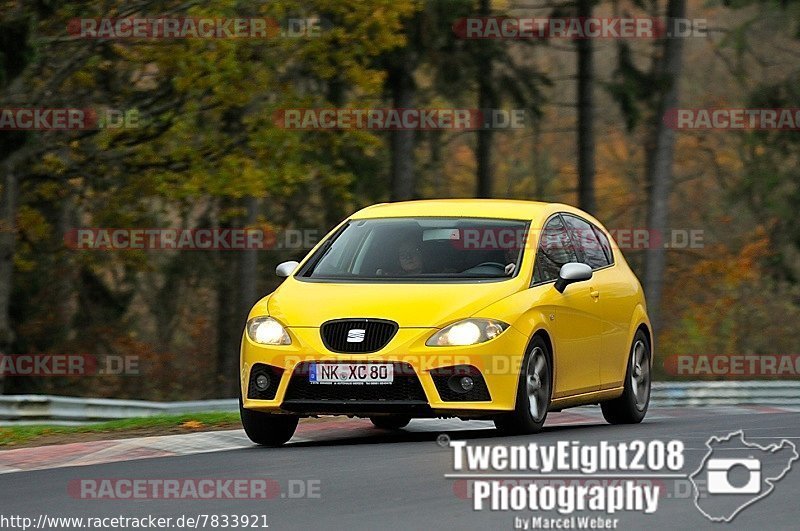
(467, 383)
(262, 382)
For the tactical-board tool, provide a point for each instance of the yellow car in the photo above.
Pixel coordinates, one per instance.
(473, 308)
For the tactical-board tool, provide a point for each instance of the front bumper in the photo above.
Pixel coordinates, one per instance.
(497, 363)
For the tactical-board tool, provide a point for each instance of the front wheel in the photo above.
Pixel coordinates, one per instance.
(631, 407)
(533, 392)
(390, 422)
(267, 429)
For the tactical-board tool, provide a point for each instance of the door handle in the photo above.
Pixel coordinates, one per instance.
(594, 294)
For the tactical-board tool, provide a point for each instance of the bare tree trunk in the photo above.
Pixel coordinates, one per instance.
(8, 212)
(229, 330)
(237, 290)
(483, 152)
(248, 265)
(65, 288)
(659, 164)
(586, 158)
(402, 142)
(228, 333)
(486, 102)
(14, 48)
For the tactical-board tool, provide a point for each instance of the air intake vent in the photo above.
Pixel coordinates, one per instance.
(357, 335)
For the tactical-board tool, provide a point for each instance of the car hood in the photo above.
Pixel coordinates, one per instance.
(425, 305)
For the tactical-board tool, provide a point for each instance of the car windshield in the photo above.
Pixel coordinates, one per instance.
(420, 248)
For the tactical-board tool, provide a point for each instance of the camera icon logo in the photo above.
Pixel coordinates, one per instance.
(736, 473)
(720, 471)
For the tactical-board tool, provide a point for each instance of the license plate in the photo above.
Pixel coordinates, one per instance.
(351, 373)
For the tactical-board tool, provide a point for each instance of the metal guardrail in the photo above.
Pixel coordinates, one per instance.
(71, 409)
(60, 409)
(726, 393)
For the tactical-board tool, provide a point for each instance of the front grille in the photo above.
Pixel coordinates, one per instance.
(346, 336)
(405, 387)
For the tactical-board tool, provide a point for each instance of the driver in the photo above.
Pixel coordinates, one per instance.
(409, 254)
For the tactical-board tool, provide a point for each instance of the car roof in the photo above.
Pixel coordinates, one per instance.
(478, 208)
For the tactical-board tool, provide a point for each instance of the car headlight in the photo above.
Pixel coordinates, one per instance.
(267, 331)
(467, 332)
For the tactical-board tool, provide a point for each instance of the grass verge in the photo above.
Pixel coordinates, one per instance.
(41, 435)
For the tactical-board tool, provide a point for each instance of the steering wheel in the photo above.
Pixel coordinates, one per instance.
(495, 264)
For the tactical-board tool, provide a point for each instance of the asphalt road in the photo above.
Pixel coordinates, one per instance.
(370, 479)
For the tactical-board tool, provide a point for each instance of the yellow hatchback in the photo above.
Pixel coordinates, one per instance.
(468, 308)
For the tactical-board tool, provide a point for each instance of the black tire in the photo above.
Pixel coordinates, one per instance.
(391, 422)
(267, 429)
(522, 420)
(631, 407)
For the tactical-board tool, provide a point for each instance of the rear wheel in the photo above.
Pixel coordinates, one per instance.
(391, 422)
(533, 392)
(631, 407)
(267, 429)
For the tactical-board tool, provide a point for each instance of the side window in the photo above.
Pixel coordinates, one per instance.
(555, 250)
(604, 243)
(585, 240)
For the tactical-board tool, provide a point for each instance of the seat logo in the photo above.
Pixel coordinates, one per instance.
(356, 335)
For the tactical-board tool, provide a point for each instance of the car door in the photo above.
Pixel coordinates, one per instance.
(621, 299)
(608, 289)
(574, 317)
(614, 296)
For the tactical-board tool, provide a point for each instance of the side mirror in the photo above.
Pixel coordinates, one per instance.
(285, 269)
(570, 273)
